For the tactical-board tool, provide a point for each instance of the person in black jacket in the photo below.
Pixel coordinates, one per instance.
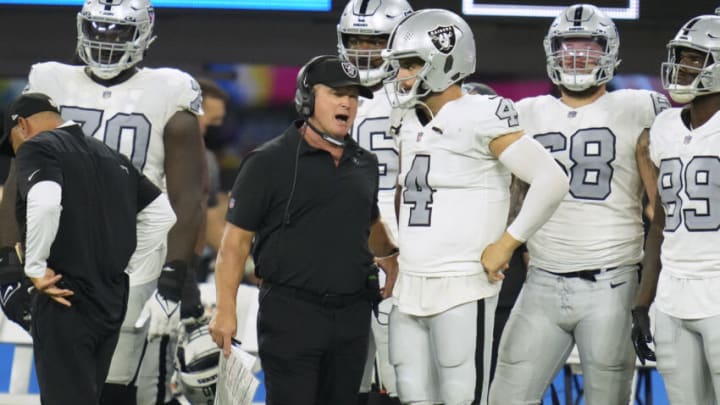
(86, 216)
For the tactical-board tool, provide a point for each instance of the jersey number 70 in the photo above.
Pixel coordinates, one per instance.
(116, 128)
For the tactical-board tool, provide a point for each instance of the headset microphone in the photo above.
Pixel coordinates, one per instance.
(328, 138)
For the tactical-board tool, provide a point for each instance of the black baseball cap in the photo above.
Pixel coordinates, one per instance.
(334, 72)
(24, 106)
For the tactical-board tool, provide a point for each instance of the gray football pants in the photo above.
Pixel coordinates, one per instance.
(551, 314)
(688, 357)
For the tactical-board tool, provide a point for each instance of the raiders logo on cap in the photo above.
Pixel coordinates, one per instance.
(443, 38)
(350, 70)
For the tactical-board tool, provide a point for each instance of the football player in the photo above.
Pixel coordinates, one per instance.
(150, 115)
(362, 33)
(583, 271)
(685, 145)
(457, 152)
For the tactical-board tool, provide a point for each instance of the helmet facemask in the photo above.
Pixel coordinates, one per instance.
(197, 362)
(578, 63)
(581, 48)
(110, 44)
(689, 72)
(362, 34)
(372, 69)
(399, 91)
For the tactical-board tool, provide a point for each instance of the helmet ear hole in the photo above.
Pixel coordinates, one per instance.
(448, 64)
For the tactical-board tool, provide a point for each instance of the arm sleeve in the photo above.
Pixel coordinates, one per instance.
(530, 162)
(43, 220)
(153, 224)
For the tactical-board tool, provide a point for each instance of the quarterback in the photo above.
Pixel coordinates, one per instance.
(457, 152)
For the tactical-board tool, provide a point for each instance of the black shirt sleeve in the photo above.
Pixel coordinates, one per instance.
(147, 192)
(250, 196)
(36, 162)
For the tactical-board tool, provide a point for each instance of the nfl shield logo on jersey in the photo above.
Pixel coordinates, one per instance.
(443, 38)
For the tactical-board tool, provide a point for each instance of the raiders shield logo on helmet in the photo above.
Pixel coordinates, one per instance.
(350, 70)
(443, 38)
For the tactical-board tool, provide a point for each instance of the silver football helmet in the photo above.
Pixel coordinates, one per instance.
(443, 41)
(375, 18)
(582, 21)
(114, 34)
(700, 34)
(197, 364)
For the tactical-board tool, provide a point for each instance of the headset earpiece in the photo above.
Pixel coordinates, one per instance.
(304, 95)
(304, 100)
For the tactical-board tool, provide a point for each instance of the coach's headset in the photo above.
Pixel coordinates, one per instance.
(305, 97)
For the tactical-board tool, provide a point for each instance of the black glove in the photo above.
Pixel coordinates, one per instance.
(15, 288)
(641, 335)
(171, 280)
(191, 308)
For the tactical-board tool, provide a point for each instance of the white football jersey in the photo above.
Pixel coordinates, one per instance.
(371, 130)
(689, 187)
(599, 222)
(455, 201)
(130, 117)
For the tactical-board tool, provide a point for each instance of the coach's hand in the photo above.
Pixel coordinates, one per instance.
(223, 327)
(47, 285)
(641, 334)
(163, 306)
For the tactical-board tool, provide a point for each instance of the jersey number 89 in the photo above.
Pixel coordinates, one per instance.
(701, 184)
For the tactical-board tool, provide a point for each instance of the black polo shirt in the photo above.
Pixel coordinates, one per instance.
(101, 195)
(317, 240)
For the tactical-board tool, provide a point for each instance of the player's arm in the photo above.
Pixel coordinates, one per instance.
(646, 168)
(186, 174)
(651, 267)
(229, 268)
(531, 163)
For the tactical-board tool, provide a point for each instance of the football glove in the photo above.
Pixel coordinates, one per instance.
(163, 306)
(15, 288)
(641, 334)
(191, 308)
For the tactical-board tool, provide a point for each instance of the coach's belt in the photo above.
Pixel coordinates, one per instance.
(325, 300)
(584, 274)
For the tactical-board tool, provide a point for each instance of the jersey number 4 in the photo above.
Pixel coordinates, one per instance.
(418, 192)
(117, 128)
(592, 150)
(701, 185)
